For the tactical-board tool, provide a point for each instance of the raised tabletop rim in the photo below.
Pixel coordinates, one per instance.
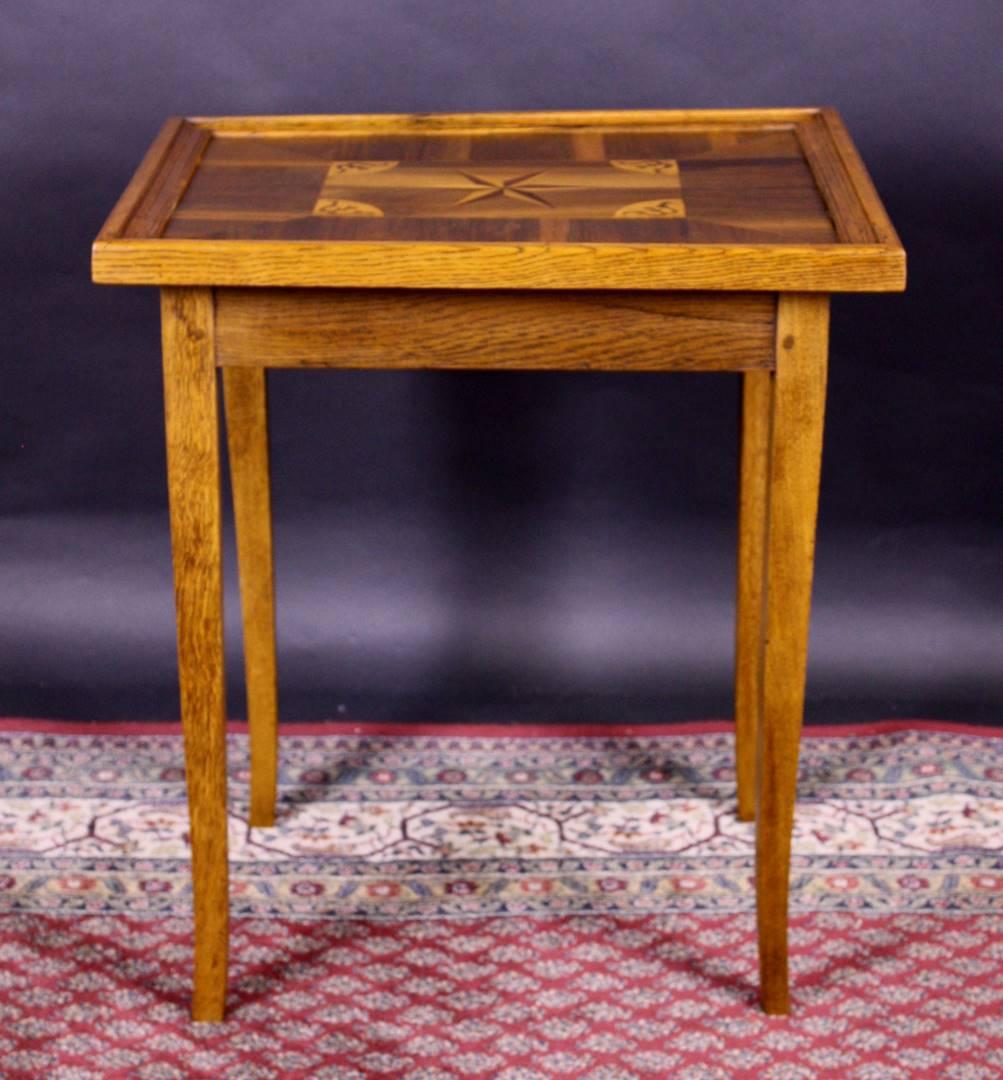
(869, 256)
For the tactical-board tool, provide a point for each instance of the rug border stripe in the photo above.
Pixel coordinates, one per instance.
(487, 731)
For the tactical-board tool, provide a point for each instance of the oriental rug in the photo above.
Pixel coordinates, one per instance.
(504, 902)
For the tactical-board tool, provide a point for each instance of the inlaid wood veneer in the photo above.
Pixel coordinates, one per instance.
(658, 200)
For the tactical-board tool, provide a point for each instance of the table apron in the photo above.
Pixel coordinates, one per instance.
(488, 329)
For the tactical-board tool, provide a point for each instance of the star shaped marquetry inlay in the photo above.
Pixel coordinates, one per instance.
(619, 188)
(528, 188)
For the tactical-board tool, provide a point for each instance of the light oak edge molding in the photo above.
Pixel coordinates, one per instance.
(495, 121)
(159, 183)
(866, 192)
(313, 263)
(141, 180)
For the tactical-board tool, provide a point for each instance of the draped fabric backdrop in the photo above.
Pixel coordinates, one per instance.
(505, 546)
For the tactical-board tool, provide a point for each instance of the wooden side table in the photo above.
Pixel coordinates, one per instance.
(668, 241)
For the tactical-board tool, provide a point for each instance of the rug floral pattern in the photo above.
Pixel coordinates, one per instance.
(628, 946)
(529, 997)
(430, 825)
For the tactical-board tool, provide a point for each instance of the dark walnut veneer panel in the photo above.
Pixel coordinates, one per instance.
(658, 186)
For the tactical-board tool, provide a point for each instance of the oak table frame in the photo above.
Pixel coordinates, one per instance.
(560, 267)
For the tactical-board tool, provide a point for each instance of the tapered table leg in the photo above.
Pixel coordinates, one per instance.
(194, 495)
(244, 394)
(750, 630)
(794, 463)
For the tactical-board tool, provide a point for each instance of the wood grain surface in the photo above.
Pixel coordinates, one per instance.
(154, 209)
(763, 200)
(148, 169)
(246, 407)
(795, 453)
(867, 193)
(822, 268)
(541, 120)
(643, 186)
(833, 181)
(497, 330)
(750, 628)
(194, 494)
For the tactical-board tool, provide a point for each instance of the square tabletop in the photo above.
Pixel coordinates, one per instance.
(708, 199)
